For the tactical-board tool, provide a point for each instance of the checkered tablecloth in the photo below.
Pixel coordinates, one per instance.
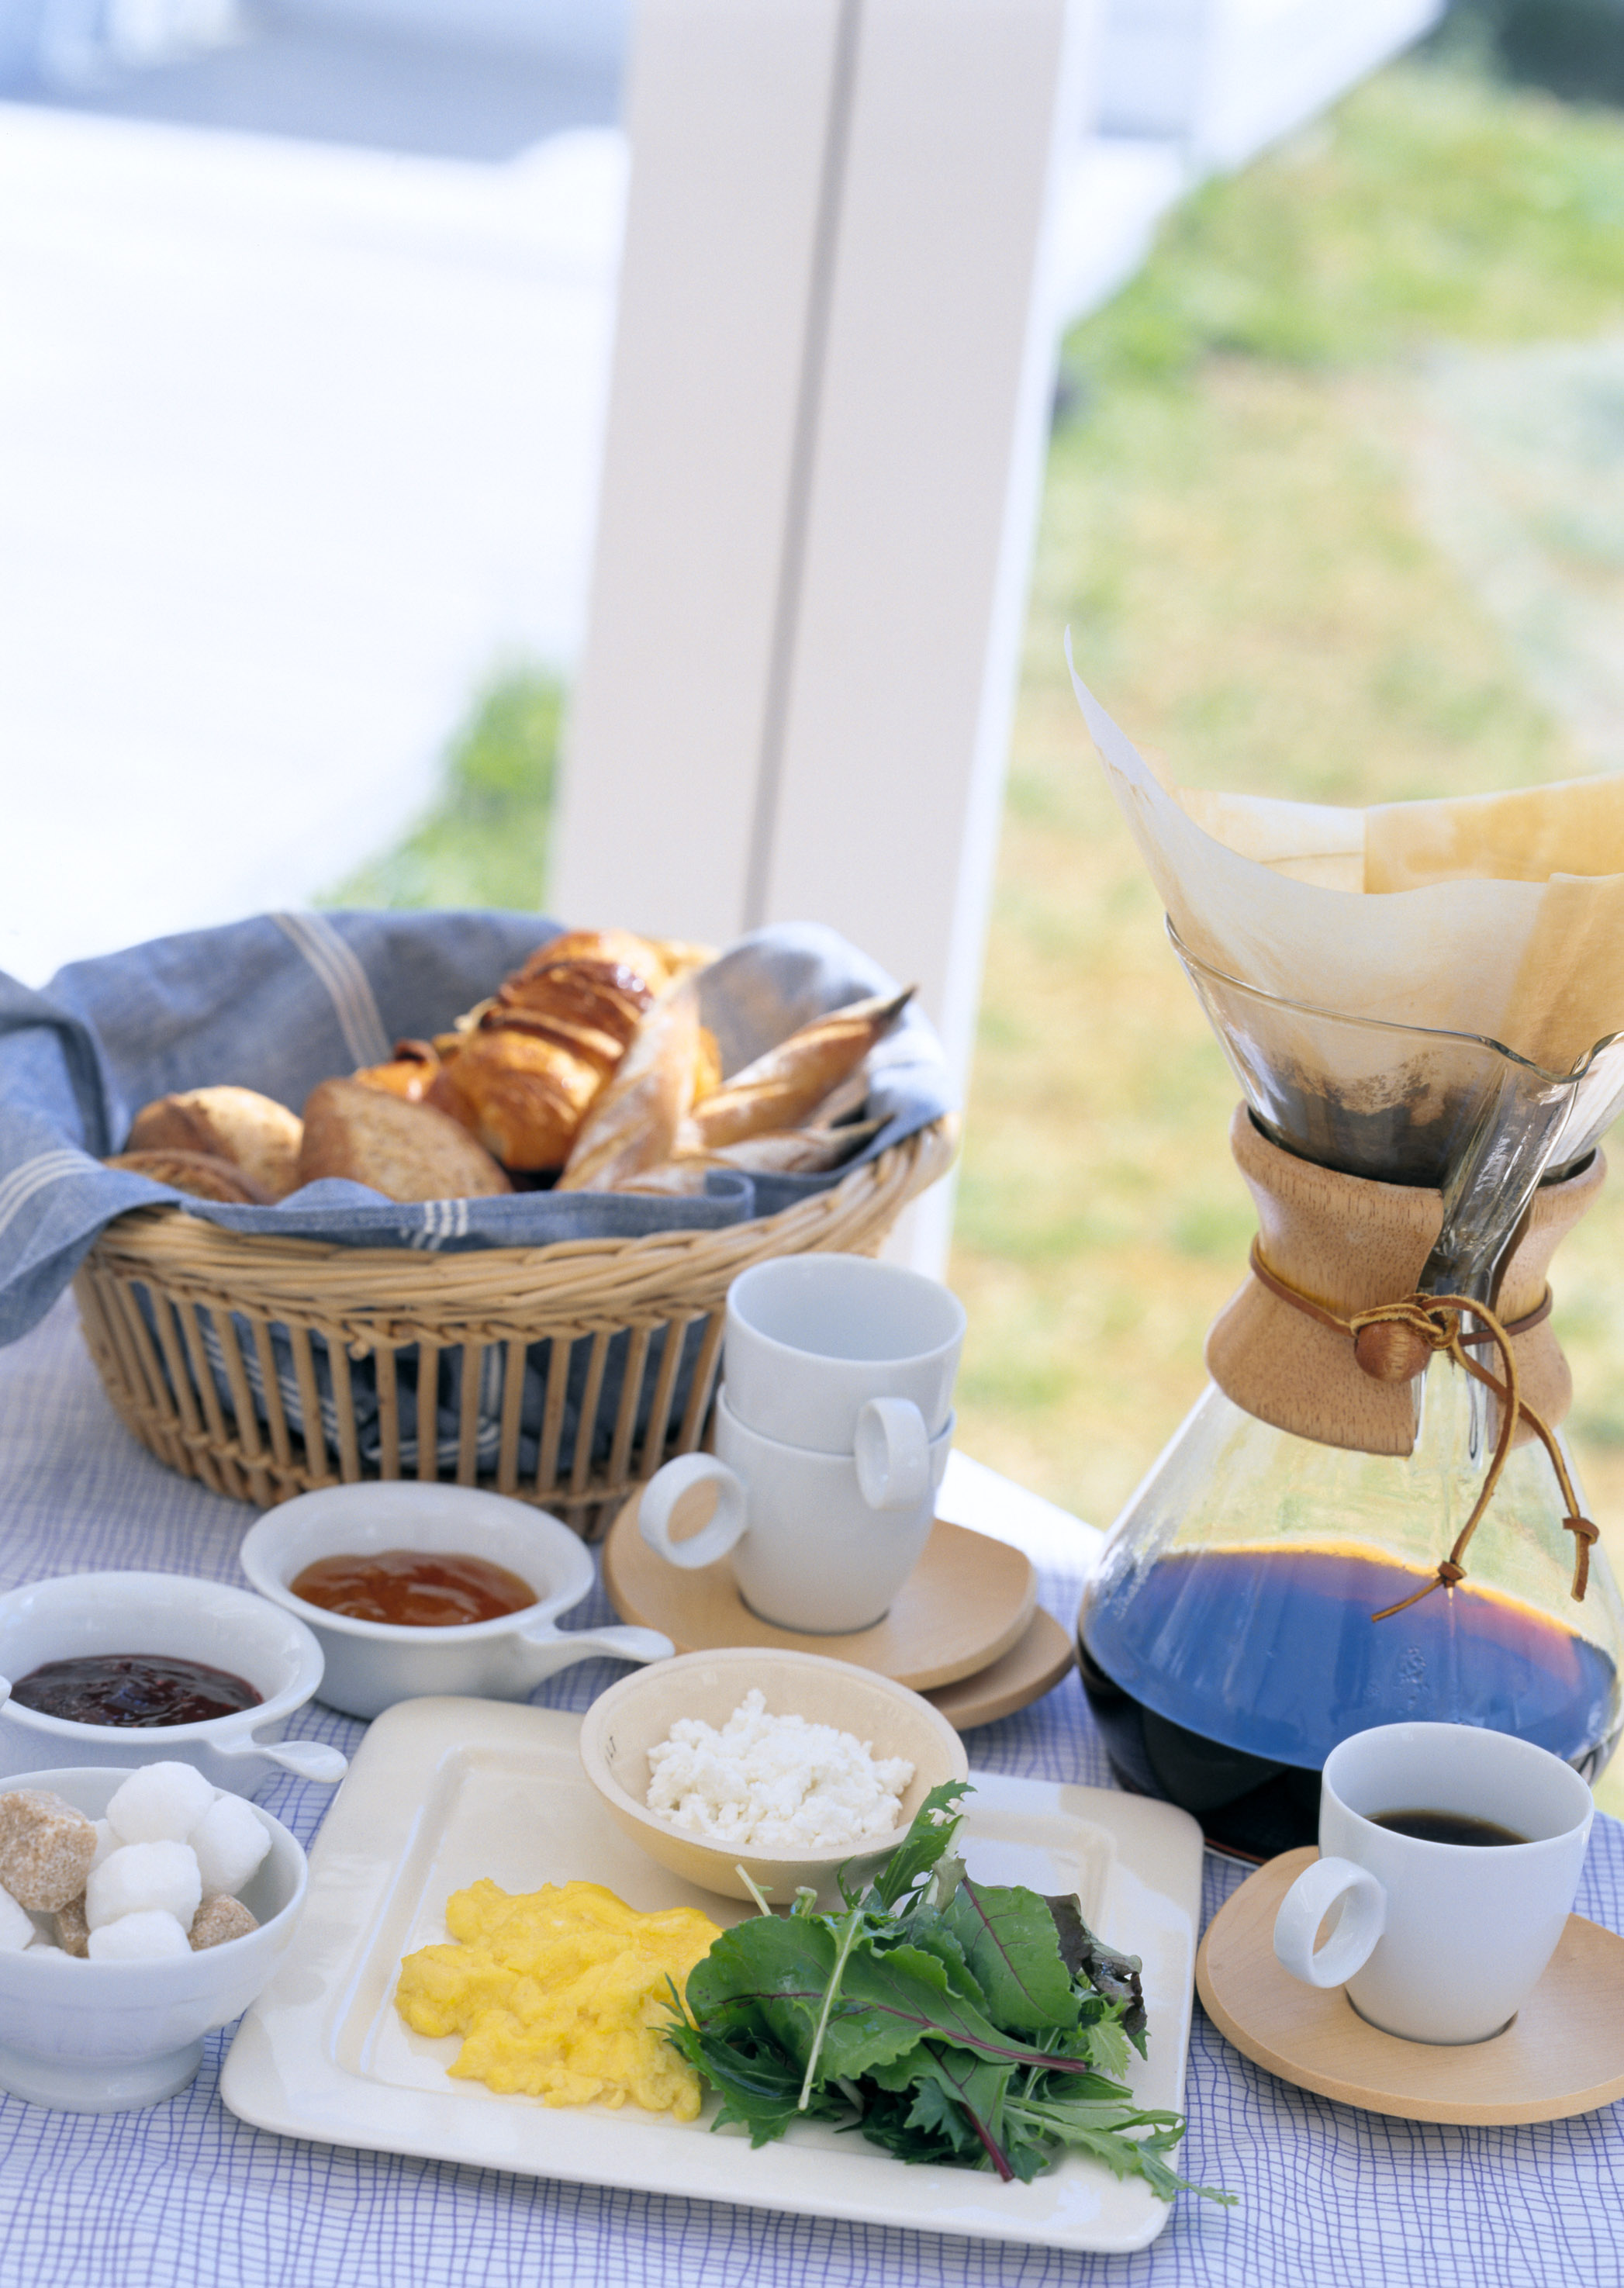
(185, 2196)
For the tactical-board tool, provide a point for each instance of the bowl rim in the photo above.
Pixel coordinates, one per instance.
(275, 1707)
(749, 1657)
(281, 1921)
(254, 1555)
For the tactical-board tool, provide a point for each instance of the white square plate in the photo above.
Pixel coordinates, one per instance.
(443, 1792)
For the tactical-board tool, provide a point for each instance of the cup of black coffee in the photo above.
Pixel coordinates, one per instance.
(1455, 1856)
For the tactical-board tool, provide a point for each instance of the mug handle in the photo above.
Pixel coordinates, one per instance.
(667, 1487)
(1305, 1908)
(892, 1453)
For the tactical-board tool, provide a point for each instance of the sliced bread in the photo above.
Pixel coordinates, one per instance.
(406, 1151)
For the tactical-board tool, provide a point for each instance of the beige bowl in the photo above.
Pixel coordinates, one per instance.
(623, 1723)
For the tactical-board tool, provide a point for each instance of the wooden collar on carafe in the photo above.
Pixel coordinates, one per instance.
(1393, 1341)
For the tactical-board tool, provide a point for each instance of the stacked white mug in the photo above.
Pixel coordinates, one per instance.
(834, 1425)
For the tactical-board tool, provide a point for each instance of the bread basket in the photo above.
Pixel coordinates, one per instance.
(222, 1351)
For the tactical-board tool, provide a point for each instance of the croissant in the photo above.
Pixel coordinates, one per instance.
(522, 1078)
(781, 1089)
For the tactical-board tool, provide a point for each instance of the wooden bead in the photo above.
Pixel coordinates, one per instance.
(1391, 1351)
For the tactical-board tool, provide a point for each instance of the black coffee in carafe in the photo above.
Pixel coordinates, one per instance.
(1278, 1648)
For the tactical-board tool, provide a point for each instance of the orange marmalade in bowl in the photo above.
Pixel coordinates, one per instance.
(413, 1588)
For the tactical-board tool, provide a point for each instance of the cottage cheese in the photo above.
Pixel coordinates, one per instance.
(775, 1782)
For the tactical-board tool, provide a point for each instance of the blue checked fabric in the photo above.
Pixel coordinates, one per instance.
(285, 1000)
(187, 2196)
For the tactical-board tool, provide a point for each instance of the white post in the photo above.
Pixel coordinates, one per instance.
(825, 446)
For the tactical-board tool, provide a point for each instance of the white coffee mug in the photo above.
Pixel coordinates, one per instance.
(1438, 1941)
(811, 1338)
(819, 1543)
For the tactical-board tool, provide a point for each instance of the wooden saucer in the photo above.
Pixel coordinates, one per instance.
(1027, 1671)
(1562, 2052)
(967, 1603)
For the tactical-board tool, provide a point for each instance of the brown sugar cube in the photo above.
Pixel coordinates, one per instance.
(46, 1848)
(219, 1918)
(72, 1932)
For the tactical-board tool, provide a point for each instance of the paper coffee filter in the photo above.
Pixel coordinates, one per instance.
(1500, 914)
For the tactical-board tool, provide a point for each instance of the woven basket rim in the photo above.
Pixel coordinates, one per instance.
(170, 1240)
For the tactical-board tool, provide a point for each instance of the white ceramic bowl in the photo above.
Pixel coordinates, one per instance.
(632, 1716)
(104, 2036)
(370, 1665)
(80, 1613)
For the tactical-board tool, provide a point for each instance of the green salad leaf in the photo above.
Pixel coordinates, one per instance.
(975, 2024)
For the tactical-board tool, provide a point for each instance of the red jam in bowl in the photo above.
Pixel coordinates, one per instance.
(144, 1689)
(413, 1588)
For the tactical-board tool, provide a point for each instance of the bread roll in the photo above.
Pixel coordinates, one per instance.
(682, 957)
(255, 1132)
(707, 1065)
(408, 1073)
(781, 1089)
(406, 1151)
(633, 1125)
(546, 1044)
(202, 1173)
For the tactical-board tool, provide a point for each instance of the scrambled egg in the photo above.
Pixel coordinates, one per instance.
(561, 1995)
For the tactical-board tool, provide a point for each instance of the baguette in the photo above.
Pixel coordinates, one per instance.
(782, 1088)
(633, 1126)
(793, 1151)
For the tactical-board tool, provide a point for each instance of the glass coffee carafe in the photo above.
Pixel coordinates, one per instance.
(1281, 1578)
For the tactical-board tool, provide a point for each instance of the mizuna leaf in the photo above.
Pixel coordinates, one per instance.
(935, 1824)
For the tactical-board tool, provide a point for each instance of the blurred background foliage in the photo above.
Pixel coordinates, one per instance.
(484, 840)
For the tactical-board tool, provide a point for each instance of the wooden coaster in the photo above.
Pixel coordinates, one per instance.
(1027, 1671)
(1562, 2052)
(967, 1603)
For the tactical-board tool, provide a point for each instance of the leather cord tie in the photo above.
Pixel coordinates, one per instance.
(1393, 1341)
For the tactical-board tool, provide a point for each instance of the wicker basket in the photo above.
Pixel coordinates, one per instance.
(218, 1349)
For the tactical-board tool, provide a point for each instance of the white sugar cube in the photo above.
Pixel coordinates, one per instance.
(43, 1946)
(160, 1803)
(230, 1841)
(144, 1875)
(144, 1937)
(16, 1925)
(106, 1842)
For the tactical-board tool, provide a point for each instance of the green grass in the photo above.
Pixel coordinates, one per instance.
(1433, 205)
(484, 840)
